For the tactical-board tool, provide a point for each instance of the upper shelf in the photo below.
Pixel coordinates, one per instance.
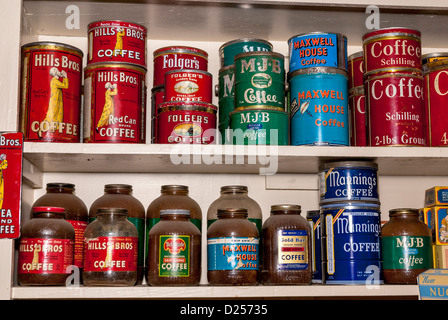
(215, 20)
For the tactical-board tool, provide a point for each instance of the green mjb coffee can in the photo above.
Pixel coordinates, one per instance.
(226, 101)
(259, 126)
(260, 80)
(230, 49)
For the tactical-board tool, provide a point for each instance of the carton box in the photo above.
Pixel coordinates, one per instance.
(436, 196)
(440, 257)
(433, 284)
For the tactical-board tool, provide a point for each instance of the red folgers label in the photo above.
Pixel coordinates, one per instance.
(355, 70)
(114, 103)
(50, 92)
(178, 57)
(45, 256)
(358, 122)
(395, 108)
(392, 47)
(188, 85)
(188, 123)
(117, 41)
(436, 100)
(111, 254)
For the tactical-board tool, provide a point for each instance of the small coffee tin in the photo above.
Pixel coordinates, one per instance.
(50, 101)
(157, 97)
(226, 94)
(358, 117)
(230, 49)
(175, 58)
(117, 41)
(115, 103)
(317, 49)
(434, 56)
(188, 85)
(355, 70)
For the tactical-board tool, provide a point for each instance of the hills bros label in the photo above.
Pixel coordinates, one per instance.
(50, 99)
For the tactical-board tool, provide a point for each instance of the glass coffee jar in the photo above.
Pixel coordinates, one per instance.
(406, 246)
(111, 249)
(174, 253)
(286, 253)
(235, 196)
(120, 196)
(63, 195)
(46, 248)
(233, 249)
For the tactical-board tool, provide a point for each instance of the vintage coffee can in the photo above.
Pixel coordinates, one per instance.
(186, 122)
(355, 70)
(112, 41)
(392, 47)
(50, 101)
(394, 101)
(434, 56)
(157, 97)
(115, 103)
(436, 101)
(188, 85)
(177, 57)
(230, 49)
(319, 106)
(259, 80)
(317, 49)
(226, 94)
(358, 117)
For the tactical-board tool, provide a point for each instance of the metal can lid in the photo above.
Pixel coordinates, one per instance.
(233, 188)
(226, 211)
(349, 164)
(56, 45)
(398, 211)
(292, 207)
(228, 43)
(112, 211)
(313, 214)
(317, 70)
(180, 49)
(355, 55)
(393, 72)
(117, 186)
(435, 65)
(115, 23)
(61, 185)
(391, 31)
(114, 65)
(174, 187)
(373, 205)
(259, 53)
(183, 212)
(48, 209)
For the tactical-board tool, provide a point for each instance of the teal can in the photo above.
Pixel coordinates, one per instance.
(226, 103)
(230, 49)
(260, 80)
(259, 126)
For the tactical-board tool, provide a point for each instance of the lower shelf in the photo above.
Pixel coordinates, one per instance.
(210, 292)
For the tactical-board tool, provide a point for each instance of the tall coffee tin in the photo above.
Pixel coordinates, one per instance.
(355, 70)
(230, 49)
(358, 117)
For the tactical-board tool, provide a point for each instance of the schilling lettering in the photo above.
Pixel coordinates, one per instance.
(335, 179)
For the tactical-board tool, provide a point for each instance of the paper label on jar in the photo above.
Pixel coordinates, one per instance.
(111, 254)
(232, 253)
(174, 256)
(292, 249)
(407, 252)
(45, 256)
(78, 251)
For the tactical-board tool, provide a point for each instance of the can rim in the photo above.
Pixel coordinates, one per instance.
(183, 212)
(403, 210)
(348, 164)
(114, 64)
(395, 71)
(356, 91)
(180, 49)
(228, 43)
(51, 43)
(259, 53)
(416, 34)
(259, 107)
(129, 22)
(350, 204)
(295, 207)
(343, 36)
(355, 55)
(435, 65)
(239, 110)
(317, 70)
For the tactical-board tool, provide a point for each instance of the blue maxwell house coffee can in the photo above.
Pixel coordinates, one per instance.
(319, 106)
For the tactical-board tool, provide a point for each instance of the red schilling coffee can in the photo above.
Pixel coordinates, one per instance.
(355, 68)
(394, 99)
(186, 123)
(436, 101)
(188, 85)
(114, 103)
(358, 123)
(50, 92)
(177, 57)
(392, 47)
(117, 41)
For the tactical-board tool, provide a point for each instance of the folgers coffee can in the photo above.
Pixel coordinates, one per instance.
(50, 103)
(177, 57)
(186, 122)
(319, 106)
(434, 56)
(114, 103)
(117, 41)
(259, 80)
(358, 117)
(344, 181)
(230, 49)
(226, 94)
(392, 47)
(188, 85)
(355, 70)
(259, 126)
(317, 49)
(394, 99)
(351, 241)
(436, 100)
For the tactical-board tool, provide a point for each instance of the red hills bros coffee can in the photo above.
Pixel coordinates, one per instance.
(50, 92)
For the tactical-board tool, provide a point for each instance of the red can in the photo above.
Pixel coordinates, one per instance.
(117, 41)
(394, 101)
(358, 123)
(177, 57)
(50, 100)
(114, 103)
(436, 101)
(355, 67)
(186, 123)
(157, 97)
(392, 47)
(188, 85)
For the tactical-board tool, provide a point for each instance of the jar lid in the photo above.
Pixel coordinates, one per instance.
(313, 213)
(48, 209)
(403, 211)
(174, 186)
(295, 207)
(117, 186)
(60, 185)
(226, 211)
(234, 188)
(183, 212)
(117, 211)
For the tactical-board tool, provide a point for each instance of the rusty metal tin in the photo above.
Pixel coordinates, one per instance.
(50, 103)
(113, 41)
(433, 56)
(115, 103)
(355, 68)
(188, 85)
(358, 122)
(177, 57)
